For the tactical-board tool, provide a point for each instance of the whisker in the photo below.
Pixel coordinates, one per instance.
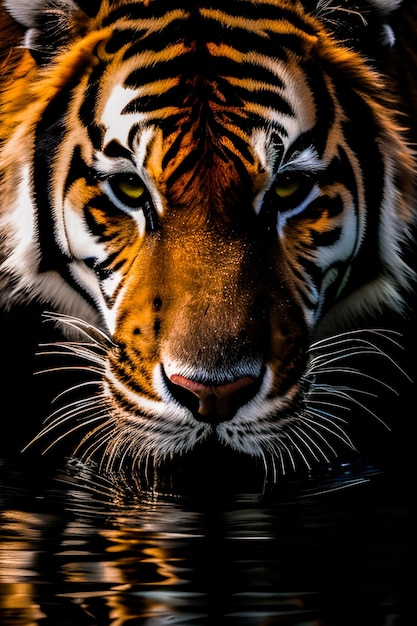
(74, 429)
(88, 383)
(78, 407)
(307, 423)
(69, 344)
(64, 417)
(355, 402)
(291, 434)
(351, 335)
(75, 350)
(308, 442)
(46, 431)
(353, 372)
(80, 326)
(108, 431)
(278, 448)
(69, 368)
(354, 345)
(298, 427)
(316, 417)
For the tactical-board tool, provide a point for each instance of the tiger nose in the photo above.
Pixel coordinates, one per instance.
(214, 401)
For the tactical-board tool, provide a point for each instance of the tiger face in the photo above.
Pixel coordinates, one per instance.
(202, 191)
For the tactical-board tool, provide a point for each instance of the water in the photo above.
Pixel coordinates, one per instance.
(77, 549)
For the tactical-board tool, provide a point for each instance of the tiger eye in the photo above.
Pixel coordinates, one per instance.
(131, 188)
(287, 187)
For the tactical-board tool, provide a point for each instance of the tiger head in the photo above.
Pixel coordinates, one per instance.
(203, 189)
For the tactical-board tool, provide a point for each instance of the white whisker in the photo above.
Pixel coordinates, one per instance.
(108, 433)
(317, 418)
(78, 408)
(77, 387)
(64, 435)
(69, 368)
(85, 328)
(63, 350)
(278, 447)
(311, 425)
(291, 435)
(351, 335)
(314, 448)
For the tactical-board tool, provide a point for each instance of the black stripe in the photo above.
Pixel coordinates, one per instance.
(326, 238)
(332, 206)
(77, 169)
(196, 27)
(101, 203)
(264, 98)
(49, 135)
(162, 100)
(176, 31)
(88, 108)
(48, 138)
(259, 11)
(242, 9)
(172, 68)
(312, 269)
(225, 66)
(324, 105)
(115, 150)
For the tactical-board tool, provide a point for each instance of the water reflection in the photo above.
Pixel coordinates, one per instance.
(77, 551)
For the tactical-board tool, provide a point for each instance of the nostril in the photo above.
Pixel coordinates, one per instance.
(213, 402)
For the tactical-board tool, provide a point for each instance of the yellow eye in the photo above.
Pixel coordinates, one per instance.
(128, 189)
(285, 186)
(131, 187)
(292, 190)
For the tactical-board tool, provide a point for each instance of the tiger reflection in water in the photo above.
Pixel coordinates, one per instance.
(211, 200)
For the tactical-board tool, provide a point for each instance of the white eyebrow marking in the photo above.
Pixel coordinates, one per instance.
(307, 161)
(119, 124)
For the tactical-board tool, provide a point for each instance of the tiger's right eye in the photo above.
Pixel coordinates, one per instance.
(128, 189)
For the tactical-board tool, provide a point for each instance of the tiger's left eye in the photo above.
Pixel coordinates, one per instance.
(128, 189)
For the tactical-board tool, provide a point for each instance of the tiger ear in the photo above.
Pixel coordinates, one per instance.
(28, 13)
(48, 23)
(386, 6)
(25, 13)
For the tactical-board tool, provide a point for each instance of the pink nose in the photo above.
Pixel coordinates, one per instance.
(213, 399)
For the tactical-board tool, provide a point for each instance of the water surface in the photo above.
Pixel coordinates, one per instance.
(79, 549)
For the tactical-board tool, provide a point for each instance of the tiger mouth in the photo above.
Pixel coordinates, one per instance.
(212, 406)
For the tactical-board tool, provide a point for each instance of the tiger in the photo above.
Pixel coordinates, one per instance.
(212, 202)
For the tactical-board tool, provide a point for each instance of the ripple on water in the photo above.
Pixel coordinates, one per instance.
(75, 551)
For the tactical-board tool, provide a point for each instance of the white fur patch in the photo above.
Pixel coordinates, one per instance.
(119, 125)
(20, 226)
(81, 243)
